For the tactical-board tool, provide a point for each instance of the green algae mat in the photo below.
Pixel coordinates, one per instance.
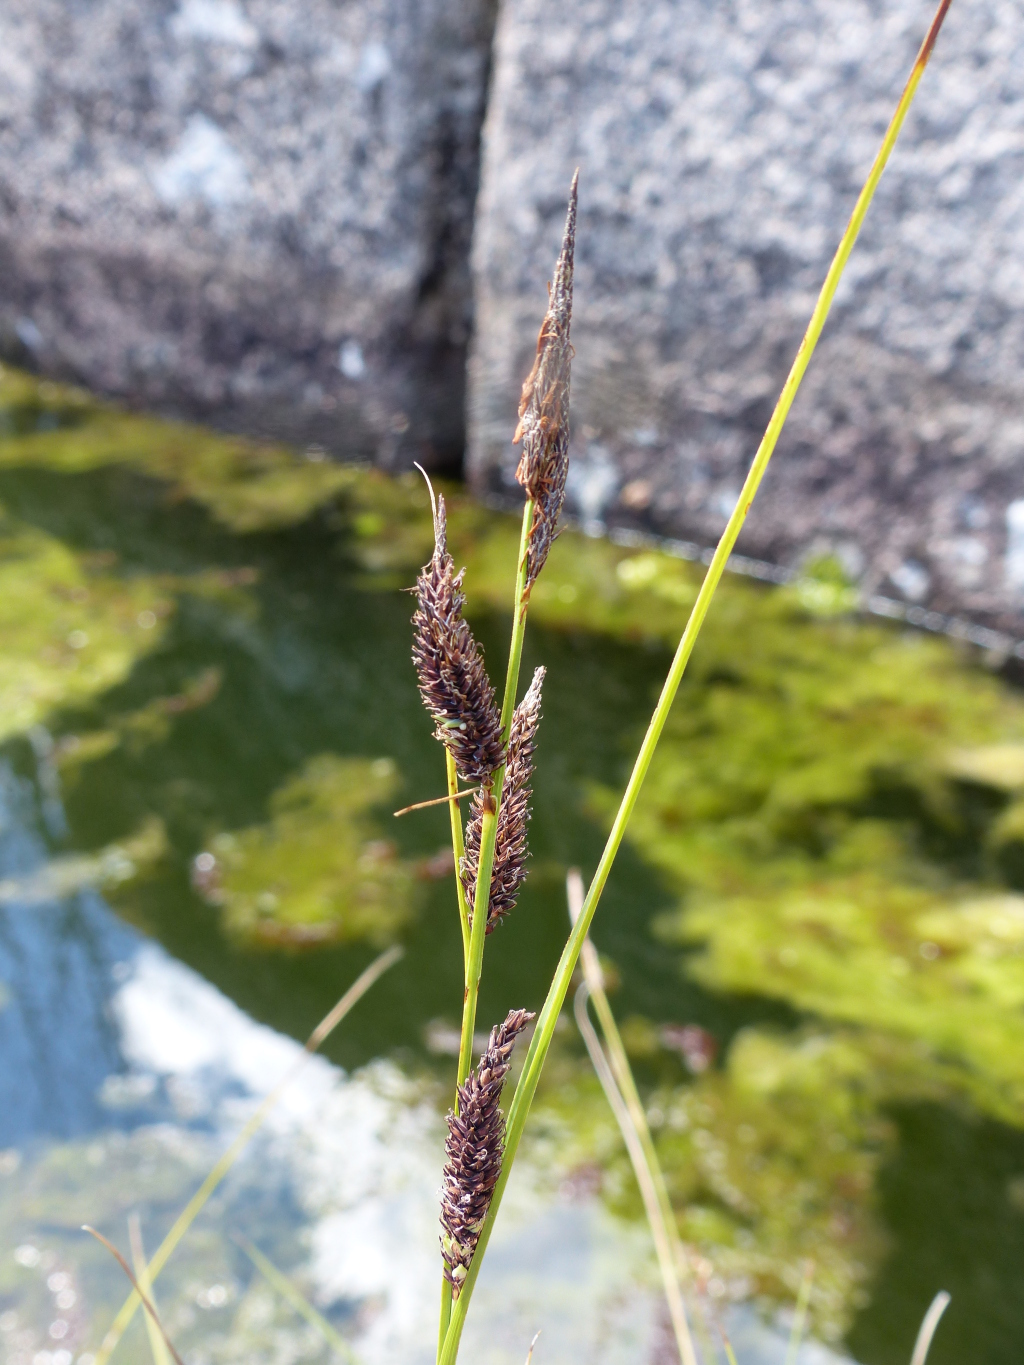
(817, 927)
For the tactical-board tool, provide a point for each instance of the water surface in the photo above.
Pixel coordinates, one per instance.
(207, 658)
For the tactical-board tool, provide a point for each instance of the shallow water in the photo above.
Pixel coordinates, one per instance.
(204, 659)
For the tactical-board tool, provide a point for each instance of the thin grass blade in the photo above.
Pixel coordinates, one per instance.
(730, 1354)
(157, 1345)
(803, 1300)
(659, 1233)
(629, 1113)
(143, 1297)
(195, 1205)
(294, 1296)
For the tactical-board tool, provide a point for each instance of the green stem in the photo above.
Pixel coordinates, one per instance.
(515, 650)
(541, 1042)
(642, 1152)
(623, 1074)
(459, 849)
(489, 824)
(642, 1169)
(157, 1346)
(445, 1316)
(293, 1296)
(803, 1300)
(624, 1098)
(488, 830)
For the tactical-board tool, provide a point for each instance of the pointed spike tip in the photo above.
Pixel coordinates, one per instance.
(543, 425)
(438, 516)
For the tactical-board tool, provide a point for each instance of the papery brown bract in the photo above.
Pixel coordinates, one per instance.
(453, 681)
(510, 847)
(473, 1150)
(544, 407)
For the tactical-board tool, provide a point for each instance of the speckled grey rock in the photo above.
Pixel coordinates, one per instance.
(722, 144)
(253, 211)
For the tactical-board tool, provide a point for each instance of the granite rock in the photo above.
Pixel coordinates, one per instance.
(248, 211)
(722, 144)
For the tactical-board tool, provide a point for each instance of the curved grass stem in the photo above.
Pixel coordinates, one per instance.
(931, 1321)
(530, 1077)
(459, 851)
(616, 1077)
(644, 1178)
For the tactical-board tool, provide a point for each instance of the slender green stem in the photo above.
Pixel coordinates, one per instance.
(473, 937)
(445, 1316)
(489, 824)
(730, 1354)
(535, 1058)
(522, 603)
(624, 1098)
(459, 850)
(488, 830)
(644, 1179)
(292, 1295)
(623, 1074)
(157, 1346)
(803, 1302)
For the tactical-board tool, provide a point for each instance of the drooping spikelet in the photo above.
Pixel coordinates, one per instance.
(510, 847)
(544, 407)
(449, 665)
(473, 1151)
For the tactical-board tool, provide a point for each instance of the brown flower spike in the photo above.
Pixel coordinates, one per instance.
(544, 407)
(473, 1151)
(449, 665)
(510, 848)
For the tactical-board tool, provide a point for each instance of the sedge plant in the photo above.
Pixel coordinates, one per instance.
(492, 748)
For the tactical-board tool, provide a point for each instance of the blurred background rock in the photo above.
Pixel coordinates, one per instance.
(262, 214)
(258, 214)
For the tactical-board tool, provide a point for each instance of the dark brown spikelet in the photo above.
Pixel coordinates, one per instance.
(449, 664)
(473, 1151)
(510, 847)
(544, 407)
